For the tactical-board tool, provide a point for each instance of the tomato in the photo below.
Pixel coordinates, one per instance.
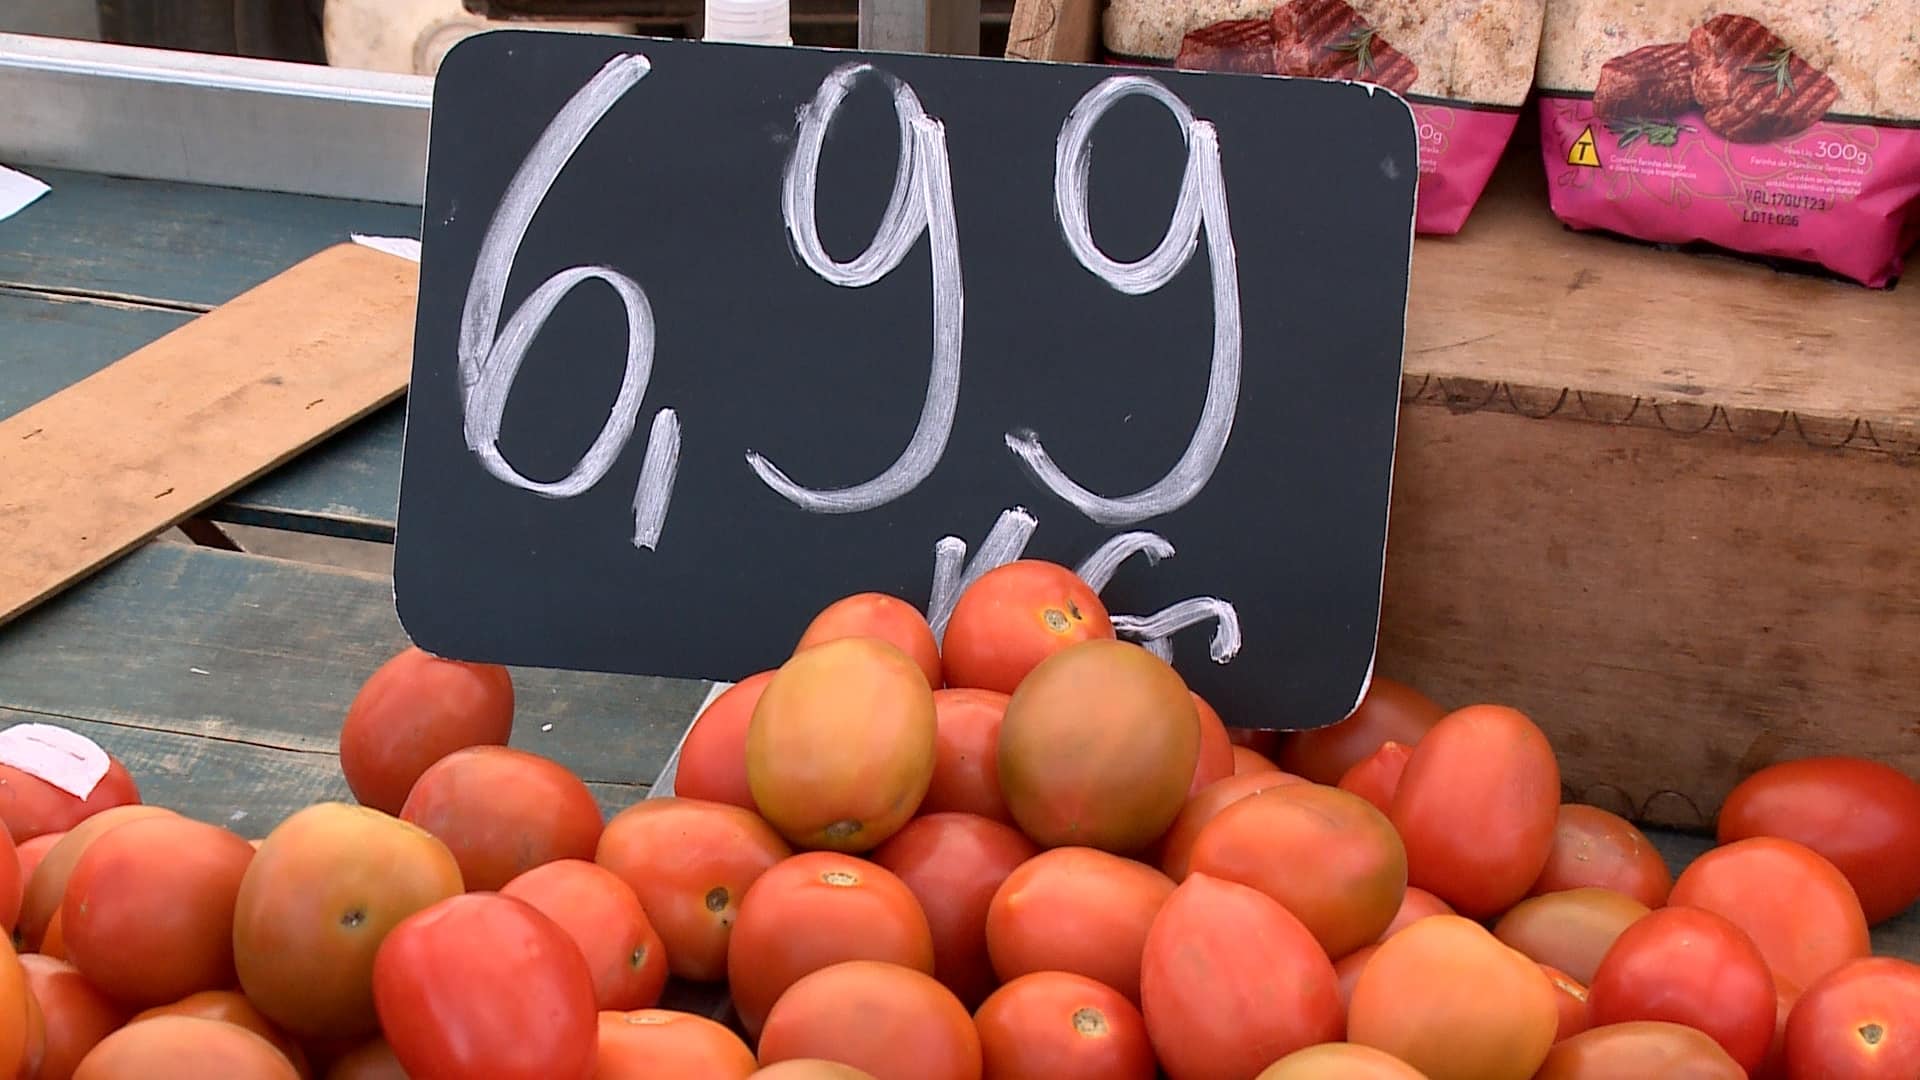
(966, 768)
(1216, 759)
(1176, 846)
(1476, 808)
(1448, 998)
(1054, 1025)
(851, 909)
(1417, 904)
(54, 943)
(30, 807)
(1390, 710)
(76, 1016)
(184, 1048)
(690, 862)
(1359, 868)
(1078, 910)
(414, 710)
(36, 1042)
(1786, 995)
(12, 882)
(662, 1044)
(48, 885)
(322, 893)
(877, 615)
(503, 812)
(713, 757)
(1014, 616)
(1693, 967)
(892, 1021)
(372, 1060)
(1346, 973)
(1248, 760)
(1230, 982)
(1377, 776)
(1576, 1012)
(232, 1007)
(954, 863)
(31, 852)
(1642, 1048)
(1860, 1020)
(810, 1069)
(1098, 747)
(840, 748)
(1339, 1061)
(1862, 816)
(148, 913)
(1569, 930)
(15, 1000)
(483, 984)
(1792, 902)
(1596, 849)
(604, 918)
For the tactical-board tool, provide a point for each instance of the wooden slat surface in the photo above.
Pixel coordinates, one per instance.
(47, 344)
(347, 486)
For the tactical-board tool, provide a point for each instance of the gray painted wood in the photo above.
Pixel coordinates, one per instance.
(47, 344)
(347, 486)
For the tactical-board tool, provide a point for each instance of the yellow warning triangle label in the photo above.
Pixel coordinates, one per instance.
(1583, 152)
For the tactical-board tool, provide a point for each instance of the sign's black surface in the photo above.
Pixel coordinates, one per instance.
(711, 335)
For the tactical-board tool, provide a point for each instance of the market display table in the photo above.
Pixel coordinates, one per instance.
(221, 677)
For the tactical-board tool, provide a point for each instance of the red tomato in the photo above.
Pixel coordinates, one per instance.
(1216, 750)
(1417, 904)
(1346, 971)
(1861, 1021)
(1446, 997)
(1640, 1049)
(184, 1048)
(1476, 808)
(1793, 903)
(966, 766)
(148, 912)
(1176, 846)
(1014, 616)
(1053, 1025)
(1377, 776)
(483, 984)
(604, 917)
(810, 1069)
(1693, 967)
(76, 1016)
(1391, 710)
(1576, 1013)
(41, 902)
(1596, 849)
(503, 812)
(1862, 816)
(1079, 910)
(414, 710)
(32, 851)
(662, 1044)
(30, 807)
(232, 1007)
(892, 1021)
(13, 882)
(1340, 1061)
(16, 1001)
(1570, 930)
(888, 618)
(690, 862)
(372, 1060)
(1359, 874)
(713, 757)
(1230, 982)
(954, 863)
(1247, 760)
(852, 909)
(1786, 995)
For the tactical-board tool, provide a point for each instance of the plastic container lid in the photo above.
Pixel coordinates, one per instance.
(759, 22)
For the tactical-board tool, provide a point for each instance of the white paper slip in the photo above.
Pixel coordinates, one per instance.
(17, 191)
(66, 759)
(404, 246)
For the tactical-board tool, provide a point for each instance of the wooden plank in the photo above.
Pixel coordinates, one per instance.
(348, 486)
(242, 648)
(1054, 30)
(54, 342)
(185, 243)
(189, 418)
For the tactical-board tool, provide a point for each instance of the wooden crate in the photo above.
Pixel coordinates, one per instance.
(1666, 503)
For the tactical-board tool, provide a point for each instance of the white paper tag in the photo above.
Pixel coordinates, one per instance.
(17, 190)
(66, 759)
(404, 246)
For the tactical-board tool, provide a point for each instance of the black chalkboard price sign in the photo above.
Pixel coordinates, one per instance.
(711, 335)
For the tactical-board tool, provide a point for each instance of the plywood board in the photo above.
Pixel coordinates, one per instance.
(117, 457)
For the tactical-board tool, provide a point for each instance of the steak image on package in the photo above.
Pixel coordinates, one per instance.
(1464, 68)
(1778, 130)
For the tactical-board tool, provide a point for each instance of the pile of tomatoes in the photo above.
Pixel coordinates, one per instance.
(1021, 848)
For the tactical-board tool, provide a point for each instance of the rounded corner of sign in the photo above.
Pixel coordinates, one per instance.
(483, 40)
